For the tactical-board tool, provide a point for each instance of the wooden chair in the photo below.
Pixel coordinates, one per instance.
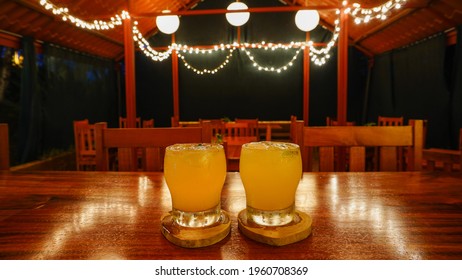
(425, 125)
(393, 121)
(333, 122)
(234, 129)
(356, 139)
(126, 142)
(148, 123)
(444, 159)
(341, 155)
(123, 122)
(293, 122)
(4, 147)
(217, 126)
(174, 121)
(252, 127)
(389, 121)
(84, 141)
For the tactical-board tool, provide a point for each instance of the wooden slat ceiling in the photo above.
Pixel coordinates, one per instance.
(417, 20)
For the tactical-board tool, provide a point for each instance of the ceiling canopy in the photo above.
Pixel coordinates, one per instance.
(414, 21)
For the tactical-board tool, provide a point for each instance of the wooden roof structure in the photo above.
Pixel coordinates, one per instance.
(406, 22)
(416, 20)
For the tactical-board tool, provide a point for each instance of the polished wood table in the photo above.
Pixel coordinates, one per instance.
(116, 215)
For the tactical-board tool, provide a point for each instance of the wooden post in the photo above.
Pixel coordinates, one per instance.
(175, 80)
(342, 71)
(342, 81)
(306, 82)
(130, 88)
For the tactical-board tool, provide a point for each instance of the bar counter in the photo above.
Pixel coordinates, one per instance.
(116, 215)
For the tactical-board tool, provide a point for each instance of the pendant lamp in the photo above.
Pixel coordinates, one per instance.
(168, 24)
(307, 20)
(237, 19)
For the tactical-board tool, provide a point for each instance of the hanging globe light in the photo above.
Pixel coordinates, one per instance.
(237, 19)
(307, 20)
(167, 24)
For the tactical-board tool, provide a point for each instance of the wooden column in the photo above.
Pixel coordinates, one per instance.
(130, 88)
(175, 80)
(342, 81)
(342, 69)
(306, 82)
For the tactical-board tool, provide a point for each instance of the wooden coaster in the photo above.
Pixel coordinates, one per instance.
(298, 229)
(195, 237)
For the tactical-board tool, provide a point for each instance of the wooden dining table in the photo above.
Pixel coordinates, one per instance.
(116, 215)
(442, 159)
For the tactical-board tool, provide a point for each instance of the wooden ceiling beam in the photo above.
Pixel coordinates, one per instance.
(384, 25)
(441, 17)
(250, 10)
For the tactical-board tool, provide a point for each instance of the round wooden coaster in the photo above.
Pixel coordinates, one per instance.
(195, 237)
(298, 229)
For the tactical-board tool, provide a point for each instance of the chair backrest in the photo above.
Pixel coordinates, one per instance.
(389, 121)
(148, 123)
(333, 122)
(151, 141)
(356, 139)
(424, 128)
(123, 122)
(4, 147)
(252, 126)
(444, 159)
(216, 125)
(175, 121)
(293, 121)
(234, 129)
(84, 141)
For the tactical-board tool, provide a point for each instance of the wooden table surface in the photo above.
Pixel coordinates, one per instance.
(116, 215)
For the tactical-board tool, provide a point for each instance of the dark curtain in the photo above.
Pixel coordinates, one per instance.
(410, 82)
(154, 81)
(456, 91)
(10, 77)
(78, 87)
(240, 89)
(30, 118)
(381, 101)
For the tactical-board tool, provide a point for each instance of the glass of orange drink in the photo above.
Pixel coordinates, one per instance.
(195, 174)
(270, 172)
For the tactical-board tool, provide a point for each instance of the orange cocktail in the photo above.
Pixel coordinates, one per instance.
(270, 172)
(195, 174)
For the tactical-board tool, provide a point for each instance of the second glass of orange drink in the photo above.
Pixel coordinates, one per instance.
(270, 172)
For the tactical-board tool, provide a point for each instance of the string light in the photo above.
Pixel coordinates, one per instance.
(95, 25)
(272, 68)
(318, 56)
(379, 12)
(205, 70)
(146, 48)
